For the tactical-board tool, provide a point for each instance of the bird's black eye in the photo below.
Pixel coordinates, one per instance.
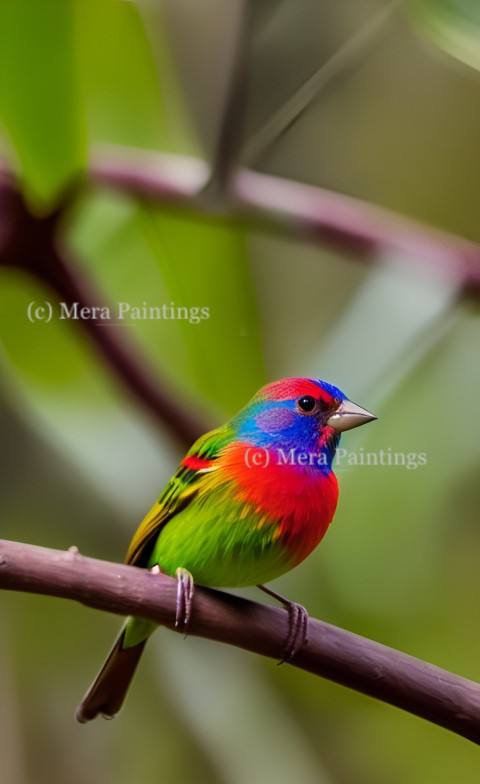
(306, 404)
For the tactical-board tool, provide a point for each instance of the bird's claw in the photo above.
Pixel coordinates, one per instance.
(297, 632)
(185, 590)
(297, 625)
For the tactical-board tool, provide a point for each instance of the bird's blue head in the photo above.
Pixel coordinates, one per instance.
(305, 415)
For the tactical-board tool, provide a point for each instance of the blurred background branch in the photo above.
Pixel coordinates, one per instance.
(362, 229)
(34, 244)
(345, 57)
(229, 140)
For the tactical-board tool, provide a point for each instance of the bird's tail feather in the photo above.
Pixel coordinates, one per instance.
(107, 693)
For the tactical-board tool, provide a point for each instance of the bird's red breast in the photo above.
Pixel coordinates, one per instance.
(299, 500)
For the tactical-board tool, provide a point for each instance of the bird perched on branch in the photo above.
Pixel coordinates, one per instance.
(248, 503)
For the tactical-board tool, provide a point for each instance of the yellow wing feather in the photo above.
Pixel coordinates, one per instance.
(178, 493)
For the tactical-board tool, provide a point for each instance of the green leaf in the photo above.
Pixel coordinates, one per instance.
(39, 104)
(51, 357)
(128, 100)
(204, 265)
(453, 24)
(148, 259)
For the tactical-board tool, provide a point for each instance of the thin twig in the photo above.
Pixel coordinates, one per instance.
(229, 139)
(366, 666)
(344, 57)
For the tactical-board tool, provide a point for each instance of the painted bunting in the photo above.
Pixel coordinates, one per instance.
(248, 503)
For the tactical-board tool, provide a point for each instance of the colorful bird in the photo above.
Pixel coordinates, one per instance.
(248, 503)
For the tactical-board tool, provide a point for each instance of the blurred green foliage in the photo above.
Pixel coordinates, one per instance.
(40, 104)
(454, 25)
(81, 462)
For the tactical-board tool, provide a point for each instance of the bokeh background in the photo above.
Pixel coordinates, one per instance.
(396, 122)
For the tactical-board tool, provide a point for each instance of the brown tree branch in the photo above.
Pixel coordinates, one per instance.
(366, 666)
(336, 219)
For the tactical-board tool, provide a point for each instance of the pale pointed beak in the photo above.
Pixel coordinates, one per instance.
(348, 415)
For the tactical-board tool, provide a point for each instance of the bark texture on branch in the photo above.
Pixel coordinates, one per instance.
(369, 667)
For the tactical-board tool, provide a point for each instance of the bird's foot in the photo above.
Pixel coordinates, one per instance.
(185, 590)
(298, 625)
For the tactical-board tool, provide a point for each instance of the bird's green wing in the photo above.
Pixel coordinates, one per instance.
(181, 489)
